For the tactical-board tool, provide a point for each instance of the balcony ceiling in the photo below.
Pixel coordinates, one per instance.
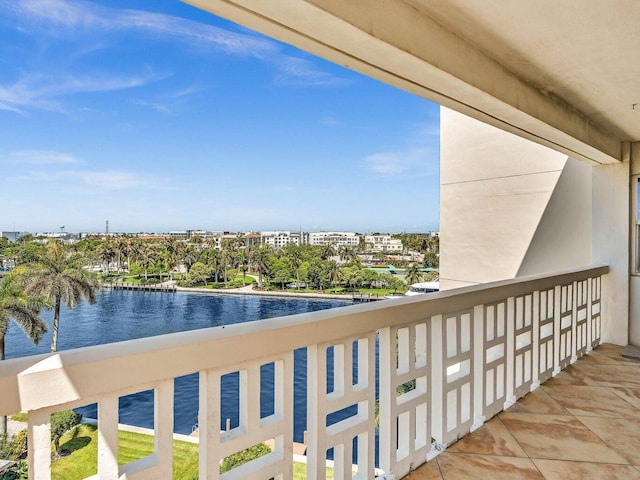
(563, 74)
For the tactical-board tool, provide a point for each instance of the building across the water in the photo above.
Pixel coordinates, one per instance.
(337, 239)
(383, 243)
(11, 236)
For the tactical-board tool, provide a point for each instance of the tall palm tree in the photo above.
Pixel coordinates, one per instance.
(327, 251)
(214, 258)
(59, 276)
(241, 260)
(190, 255)
(24, 311)
(226, 257)
(106, 253)
(261, 262)
(294, 254)
(147, 257)
(123, 250)
(334, 272)
(413, 274)
(172, 253)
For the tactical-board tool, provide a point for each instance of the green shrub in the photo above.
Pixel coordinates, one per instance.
(14, 448)
(244, 456)
(18, 472)
(62, 422)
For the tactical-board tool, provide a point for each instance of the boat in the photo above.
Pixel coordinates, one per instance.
(423, 287)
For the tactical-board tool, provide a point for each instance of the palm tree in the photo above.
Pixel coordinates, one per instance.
(106, 253)
(59, 276)
(226, 258)
(189, 256)
(261, 261)
(413, 274)
(212, 257)
(347, 254)
(327, 251)
(294, 254)
(334, 272)
(147, 258)
(241, 260)
(173, 253)
(24, 311)
(123, 250)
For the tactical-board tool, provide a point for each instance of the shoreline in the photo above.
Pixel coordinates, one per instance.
(248, 290)
(170, 285)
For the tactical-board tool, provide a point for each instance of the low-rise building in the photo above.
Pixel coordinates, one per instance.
(11, 236)
(337, 239)
(383, 243)
(280, 238)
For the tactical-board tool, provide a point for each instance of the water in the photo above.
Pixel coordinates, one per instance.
(125, 315)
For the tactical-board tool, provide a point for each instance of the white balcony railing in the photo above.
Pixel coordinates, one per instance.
(461, 355)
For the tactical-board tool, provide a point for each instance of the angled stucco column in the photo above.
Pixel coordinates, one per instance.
(633, 349)
(495, 195)
(610, 245)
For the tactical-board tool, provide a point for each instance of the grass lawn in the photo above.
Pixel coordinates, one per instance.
(82, 462)
(82, 443)
(300, 472)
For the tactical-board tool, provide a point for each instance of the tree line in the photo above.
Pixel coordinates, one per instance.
(46, 274)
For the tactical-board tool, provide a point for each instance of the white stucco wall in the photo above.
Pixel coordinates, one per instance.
(562, 239)
(511, 208)
(494, 190)
(611, 246)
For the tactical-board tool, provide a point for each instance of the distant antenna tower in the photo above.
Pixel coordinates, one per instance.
(106, 227)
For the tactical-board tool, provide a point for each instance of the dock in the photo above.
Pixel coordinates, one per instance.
(156, 287)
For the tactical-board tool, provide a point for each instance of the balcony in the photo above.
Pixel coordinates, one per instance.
(442, 365)
(582, 424)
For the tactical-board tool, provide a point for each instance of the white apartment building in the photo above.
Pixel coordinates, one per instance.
(279, 238)
(337, 239)
(383, 243)
(11, 236)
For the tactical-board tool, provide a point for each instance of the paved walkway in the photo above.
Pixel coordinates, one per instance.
(248, 290)
(582, 424)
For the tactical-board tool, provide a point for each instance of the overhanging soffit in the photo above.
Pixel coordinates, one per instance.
(563, 74)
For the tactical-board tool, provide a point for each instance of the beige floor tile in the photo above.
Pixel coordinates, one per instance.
(607, 356)
(464, 466)
(607, 375)
(490, 439)
(629, 394)
(563, 470)
(426, 471)
(615, 352)
(561, 437)
(537, 401)
(620, 434)
(570, 376)
(591, 401)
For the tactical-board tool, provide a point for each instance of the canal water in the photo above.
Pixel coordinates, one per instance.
(125, 315)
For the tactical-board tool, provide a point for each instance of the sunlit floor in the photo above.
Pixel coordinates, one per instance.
(583, 424)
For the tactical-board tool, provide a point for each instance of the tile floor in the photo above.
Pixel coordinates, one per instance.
(582, 424)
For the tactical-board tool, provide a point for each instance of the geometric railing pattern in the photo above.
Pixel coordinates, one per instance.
(410, 375)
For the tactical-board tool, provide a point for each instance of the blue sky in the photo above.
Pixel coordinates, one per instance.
(157, 116)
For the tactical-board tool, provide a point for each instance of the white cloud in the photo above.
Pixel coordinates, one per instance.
(301, 72)
(43, 91)
(414, 161)
(68, 17)
(95, 181)
(40, 157)
(110, 179)
(51, 15)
